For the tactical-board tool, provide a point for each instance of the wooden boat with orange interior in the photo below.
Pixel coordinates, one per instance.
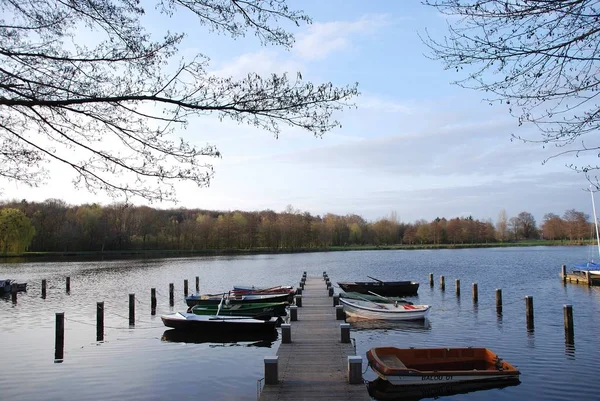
(426, 366)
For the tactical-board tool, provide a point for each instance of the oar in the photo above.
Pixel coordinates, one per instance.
(220, 303)
(368, 300)
(386, 298)
(376, 279)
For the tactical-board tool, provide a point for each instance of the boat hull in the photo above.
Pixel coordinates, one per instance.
(385, 288)
(241, 309)
(210, 299)
(402, 367)
(374, 298)
(190, 321)
(371, 310)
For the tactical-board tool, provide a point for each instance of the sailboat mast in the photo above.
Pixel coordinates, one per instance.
(595, 219)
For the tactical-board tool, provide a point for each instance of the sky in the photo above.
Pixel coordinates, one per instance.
(415, 144)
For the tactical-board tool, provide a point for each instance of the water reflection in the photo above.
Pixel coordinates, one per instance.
(242, 339)
(409, 325)
(383, 390)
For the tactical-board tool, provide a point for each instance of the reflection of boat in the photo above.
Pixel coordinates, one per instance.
(374, 298)
(427, 366)
(384, 311)
(359, 324)
(215, 299)
(383, 390)
(386, 288)
(241, 309)
(8, 285)
(259, 339)
(222, 324)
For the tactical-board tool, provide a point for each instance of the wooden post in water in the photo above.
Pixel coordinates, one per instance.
(563, 273)
(431, 280)
(498, 300)
(99, 321)
(442, 283)
(475, 293)
(457, 287)
(171, 294)
(569, 330)
(529, 311)
(44, 288)
(185, 288)
(132, 309)
(197, 284)
(13, 294)
(59, 336)
(68, 285)
(153, 301)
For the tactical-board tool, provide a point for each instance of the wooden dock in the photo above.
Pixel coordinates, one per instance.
(314, 366)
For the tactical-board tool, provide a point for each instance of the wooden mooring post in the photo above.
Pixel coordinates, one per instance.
(197, 284)
(529, 312)
(171, 294)
(43, 288)
(442, 283)
(293, 313)
(431, 280)
(68, 285)
(13, 294)
(563, 273)
(185, 288)
(569, 330)
(457, 287)
(132, 309)
(99, 321)
(153, 301)
(59, 337)
(498, 300)
(475, 293)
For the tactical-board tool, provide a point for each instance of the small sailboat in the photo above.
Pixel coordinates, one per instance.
(588, 272)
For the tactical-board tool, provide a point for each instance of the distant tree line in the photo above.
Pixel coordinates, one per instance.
(54, 226)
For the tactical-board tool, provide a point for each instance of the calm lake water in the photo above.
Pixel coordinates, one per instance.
(147, 363)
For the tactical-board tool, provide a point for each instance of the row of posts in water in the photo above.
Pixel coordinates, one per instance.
(567, 309)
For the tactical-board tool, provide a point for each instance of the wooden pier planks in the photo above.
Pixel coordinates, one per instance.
(314, 366)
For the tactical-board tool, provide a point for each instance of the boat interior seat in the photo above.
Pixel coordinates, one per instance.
(393, 362)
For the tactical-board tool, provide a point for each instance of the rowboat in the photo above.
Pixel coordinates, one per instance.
(215, 299)
(222, 324)
(385, 288)
(242, 309)
(385, 311)
(247, 290)
(373, 298)
(428, 366)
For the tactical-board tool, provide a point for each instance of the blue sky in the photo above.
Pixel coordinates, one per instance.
(415, 144)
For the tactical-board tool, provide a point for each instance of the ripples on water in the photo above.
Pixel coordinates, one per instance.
(150, 362)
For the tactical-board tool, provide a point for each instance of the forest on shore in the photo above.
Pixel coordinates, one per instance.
(55, 226)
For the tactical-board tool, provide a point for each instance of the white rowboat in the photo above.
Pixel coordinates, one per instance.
(383, 311)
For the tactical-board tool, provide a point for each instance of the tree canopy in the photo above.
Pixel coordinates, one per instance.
(538, 56)
(83, 83)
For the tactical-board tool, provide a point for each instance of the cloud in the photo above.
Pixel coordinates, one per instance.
(322, 39)
(262, 62)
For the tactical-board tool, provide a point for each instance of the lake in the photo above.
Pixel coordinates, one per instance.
(147, 362)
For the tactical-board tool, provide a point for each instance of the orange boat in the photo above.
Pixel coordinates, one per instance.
(426, 366)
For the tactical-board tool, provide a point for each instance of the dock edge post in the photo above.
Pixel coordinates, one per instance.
(355, 369)
(286, 333)
(345, 332)
(293, 313)
(271, 371)
(339, 312)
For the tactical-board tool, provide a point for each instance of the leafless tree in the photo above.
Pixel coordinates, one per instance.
(82, 82)
(538, 56)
